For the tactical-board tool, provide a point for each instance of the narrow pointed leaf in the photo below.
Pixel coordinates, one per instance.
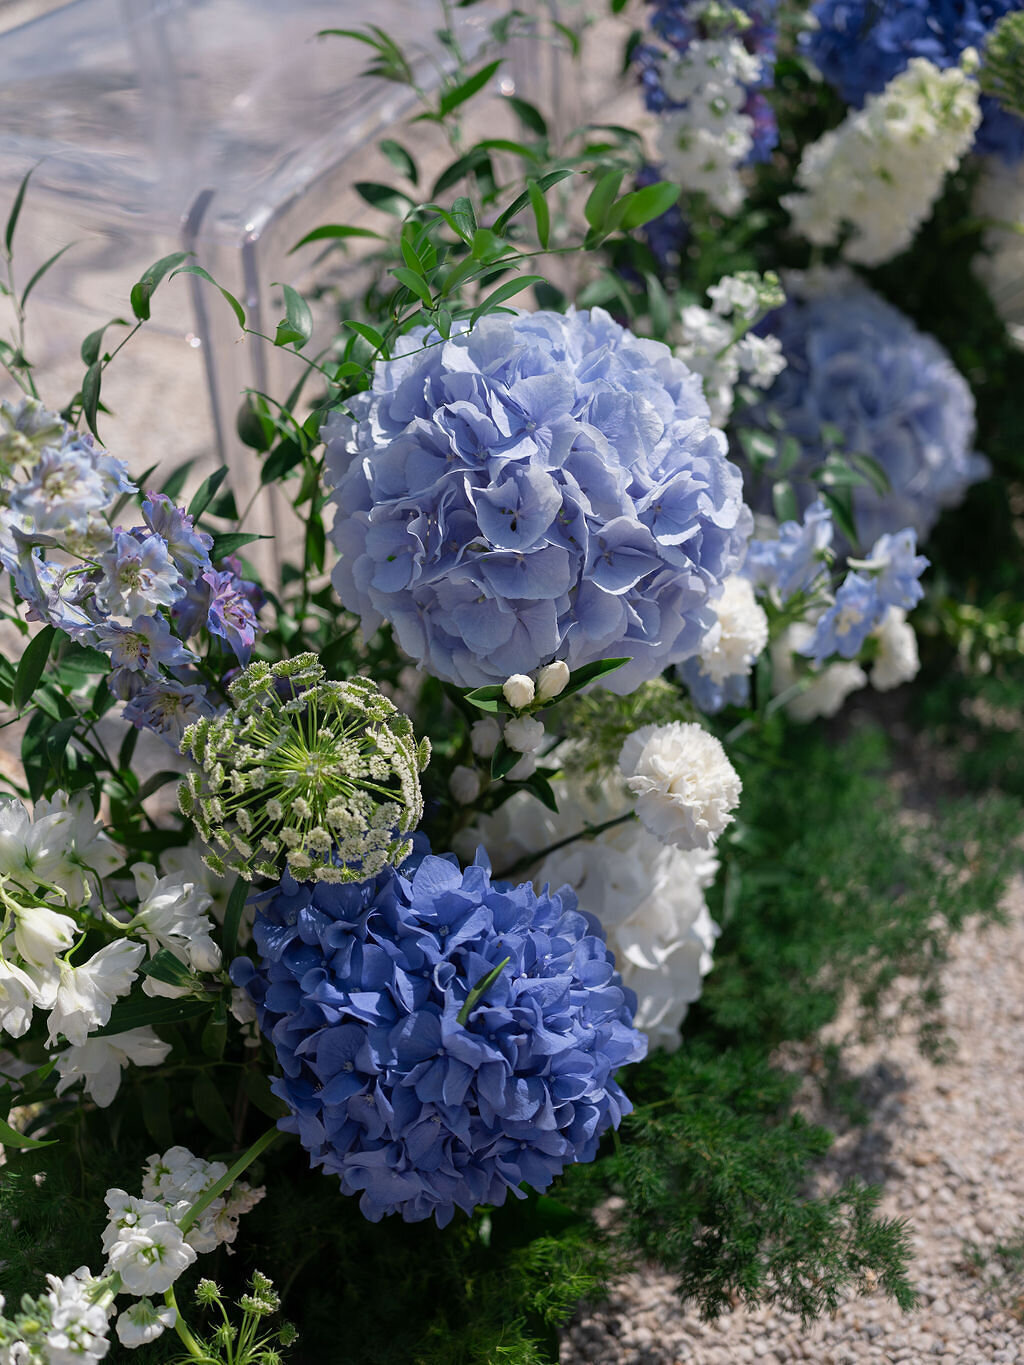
(30, 669)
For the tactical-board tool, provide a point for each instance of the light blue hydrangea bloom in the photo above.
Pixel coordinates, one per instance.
(545, 486)
(711, 697)
(859, 367)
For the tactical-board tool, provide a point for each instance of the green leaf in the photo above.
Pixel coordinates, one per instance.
(155, 1103)
(529, 115)
(503, 760)
(451, 99)
(233, 918)
(873, 473)
(12, 217)
(236, 307)
(211, 1109)
(841, 504)
(79, 662)
(256, 1085)
(155, 782)
(215, 1033)
(175, 481)
(503, 292)
(164, 966)
(601, 199)
(231, 541)
(416, 284)
(10, 1137)
(205, 492)
(30, 669)
(297, 324)
(463, 214)
(571, 37)
(143, 1009)
(581, 677)
(42, 271)
(784, 501)
(475, 161)
(143, 292)
(91, 395)
(518, 204)
(281, 460)
(369, 334)
(651, 202)
(541, 214)
(477, 993)
(489, 698)
(316, 544)
(383, 197)
(332, 231)
(400, 159)
(542, 790)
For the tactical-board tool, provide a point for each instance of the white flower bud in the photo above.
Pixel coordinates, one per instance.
(524, 734)
(552, 679)
(484, 736)
(518, 690)
(464, 784)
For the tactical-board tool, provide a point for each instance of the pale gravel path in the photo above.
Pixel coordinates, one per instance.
(947, 1144)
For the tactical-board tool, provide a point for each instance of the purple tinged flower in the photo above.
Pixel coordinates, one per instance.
(848, 622)
(189, 548)
(143, 645)
(138, 575)
(795, 562)
(360, 988)
(167, 707)
(898, 569)
(544, 486)
(230, 614)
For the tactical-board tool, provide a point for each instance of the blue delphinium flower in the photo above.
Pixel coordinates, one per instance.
(189, 548)
(710, 696)
(361, 986)
(138, 575)
(166, 707)
(796, 560)
(859, 45)
(230, 614)
(898, 568)
(545, 486)
(859, 369)
(848, 622)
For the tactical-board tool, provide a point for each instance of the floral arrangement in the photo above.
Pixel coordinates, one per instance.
(456, 881)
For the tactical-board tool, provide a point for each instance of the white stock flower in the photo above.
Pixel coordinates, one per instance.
(484, 736)
(524, 734)
(86, 994)
(143, 1322)
(90, 855)
(151, 1253)
(999, 203)
(883, 168)
(897, 660)
(464, 784)
(241, 1198)
(40, 934)
(649, 897)
(708, 344)
(829, 687)
(552, 680)
(177, 1179)
(518, 690)
(739, 634)
(77, 1332)
(685, 787)
(99, 1062)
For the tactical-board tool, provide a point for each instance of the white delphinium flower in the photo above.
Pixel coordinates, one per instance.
(484, 736)
(90, 855)
(143, 1322)
(518, 690)
(648, 897)
(740, 633)
(999, 203)
(79, 1319)
(552, 680)
(685, 787)
(99, 1062)
(464, 784)
(20, 994)
(829, 686)
(897, 660)
(883, 168)
(40, 933)
(524, 734)
(86, 994)
(172, 915)
(31, 850)
(702, 145)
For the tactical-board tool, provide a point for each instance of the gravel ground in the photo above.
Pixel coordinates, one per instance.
(945, 1143)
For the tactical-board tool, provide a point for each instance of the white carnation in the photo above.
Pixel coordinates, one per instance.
(685, 787)
(883, 168)
(740, 633)
(828, 687)
(897, 660)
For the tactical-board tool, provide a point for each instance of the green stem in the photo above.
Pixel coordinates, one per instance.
(589, 832)
(217, 1189)
(181, 1327)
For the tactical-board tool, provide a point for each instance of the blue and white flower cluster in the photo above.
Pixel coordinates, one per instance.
(858, 369)
(860, 45)
(137, 594)
(444, 1037)
(545, 486)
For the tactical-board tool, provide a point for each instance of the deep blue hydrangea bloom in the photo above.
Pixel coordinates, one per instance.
(360, 987)
(545, 486)
(672, 25)
(858, 365)
(859, 45)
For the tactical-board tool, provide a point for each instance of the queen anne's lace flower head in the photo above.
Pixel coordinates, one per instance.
(542, 486)
(685, 787)
(859, 367)
(443, 1037)
(326, 773)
